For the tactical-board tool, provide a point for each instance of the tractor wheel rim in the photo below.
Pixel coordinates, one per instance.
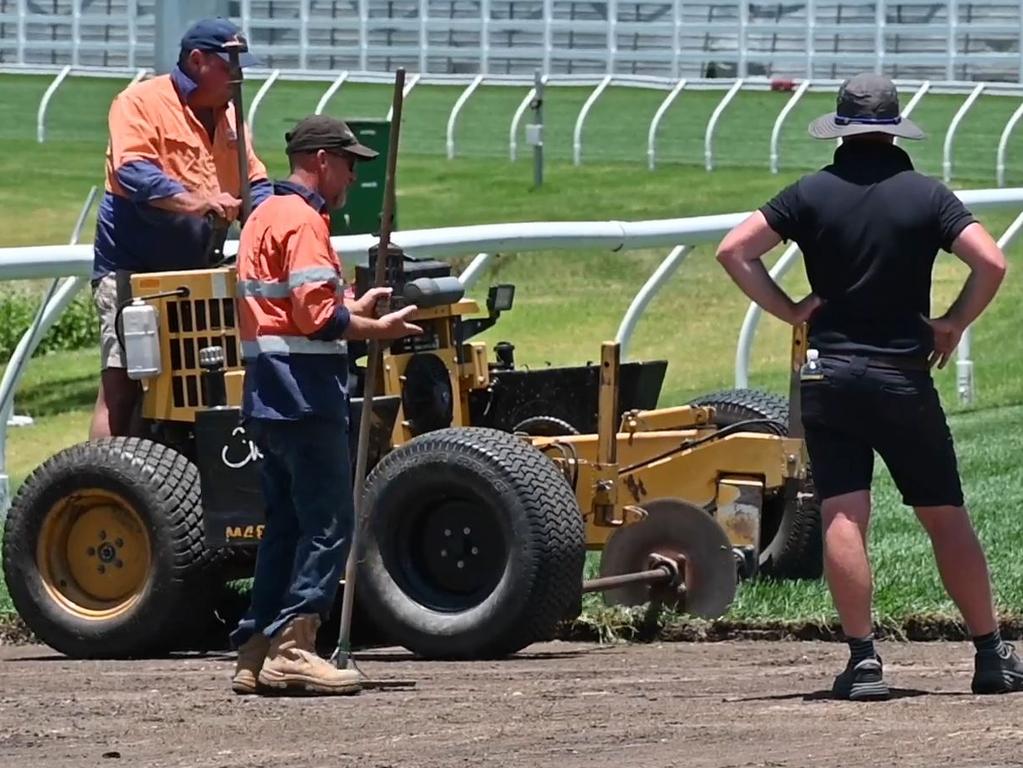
(453, 556)
(94, 554)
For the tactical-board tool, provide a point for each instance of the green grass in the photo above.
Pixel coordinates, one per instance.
(568, 302)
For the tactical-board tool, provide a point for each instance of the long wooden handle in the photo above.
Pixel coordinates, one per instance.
(373, 365)
(234, 52)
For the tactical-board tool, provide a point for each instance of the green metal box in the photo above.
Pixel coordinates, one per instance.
(361, 212)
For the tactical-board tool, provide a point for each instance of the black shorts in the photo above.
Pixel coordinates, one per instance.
(859, 408)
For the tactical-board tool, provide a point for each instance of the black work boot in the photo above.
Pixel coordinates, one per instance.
(861, 681)
(997, 671)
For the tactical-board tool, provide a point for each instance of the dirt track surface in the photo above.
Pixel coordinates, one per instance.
(715, 704)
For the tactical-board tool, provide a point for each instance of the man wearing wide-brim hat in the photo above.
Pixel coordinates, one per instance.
(870, 227)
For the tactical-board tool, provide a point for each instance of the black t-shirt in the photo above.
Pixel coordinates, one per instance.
(869, 227)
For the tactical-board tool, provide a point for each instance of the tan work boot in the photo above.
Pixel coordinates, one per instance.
(250, 659)
(292, 665)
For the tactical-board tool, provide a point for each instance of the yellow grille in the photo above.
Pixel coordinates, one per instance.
(206, 317)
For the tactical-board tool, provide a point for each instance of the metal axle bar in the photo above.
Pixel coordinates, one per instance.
(653, 576)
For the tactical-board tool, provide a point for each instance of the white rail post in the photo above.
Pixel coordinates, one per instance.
(76, 32)
(946, 152)
(577, 134)
(257, 100)
(53, 303)
(780, 121)
(424, 35)
(453, 117)
(810, 32)
(246, 18)
(1003, 143)
(880, 19)
(708, 138)
(953, 23)
(22, 36)
(303, 34)
(742, 65)
(329, 93)
(548, 35)
(925, 86)
(132, 9)
(409, 85)
(643, 297)
(612, 34)
(45, 102)
(676, 38)
(965, 383)
(363, 34)
(476, 267)
(749, 323)
(513, 131)
(484, 6)
(651, 138)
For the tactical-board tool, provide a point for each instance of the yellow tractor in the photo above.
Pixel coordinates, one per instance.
(488, 486)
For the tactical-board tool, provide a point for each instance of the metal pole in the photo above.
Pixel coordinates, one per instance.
(234, 50)
(373, 365)
(538, 120)
(653, 576)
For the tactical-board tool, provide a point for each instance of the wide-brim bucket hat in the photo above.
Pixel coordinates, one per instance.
(866, 103)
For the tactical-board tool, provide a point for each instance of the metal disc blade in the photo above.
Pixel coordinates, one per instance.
(674, 529)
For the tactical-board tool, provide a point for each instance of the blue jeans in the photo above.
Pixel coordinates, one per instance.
(306, 480)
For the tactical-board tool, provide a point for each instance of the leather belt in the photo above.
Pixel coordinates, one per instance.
(885, 361)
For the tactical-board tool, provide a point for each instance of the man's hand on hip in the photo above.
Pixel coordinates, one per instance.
(947, 333)
(803, 310)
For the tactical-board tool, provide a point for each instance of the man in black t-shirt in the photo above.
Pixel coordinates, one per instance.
(870, 227)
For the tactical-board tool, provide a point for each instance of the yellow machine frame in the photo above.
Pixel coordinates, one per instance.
(651, 454)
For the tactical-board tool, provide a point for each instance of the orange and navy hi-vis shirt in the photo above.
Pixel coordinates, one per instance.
(291, 310)
(158, 148)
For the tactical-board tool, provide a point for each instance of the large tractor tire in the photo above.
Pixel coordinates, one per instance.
(103, 547)
(474, 545)
(790, 534)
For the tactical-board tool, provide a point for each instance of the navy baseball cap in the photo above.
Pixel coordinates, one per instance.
(210, 35)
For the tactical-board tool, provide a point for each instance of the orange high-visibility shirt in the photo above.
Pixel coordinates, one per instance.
(150, 121)
(291, 310)
(159, 148)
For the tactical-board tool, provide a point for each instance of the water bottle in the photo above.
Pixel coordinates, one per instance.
(812, 369)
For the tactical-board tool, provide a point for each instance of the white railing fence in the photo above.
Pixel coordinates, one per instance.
(950, 39)
(675, 91)
(75, 262)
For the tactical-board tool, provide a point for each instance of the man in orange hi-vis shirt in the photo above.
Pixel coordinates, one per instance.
(172, 168)
(293, 323)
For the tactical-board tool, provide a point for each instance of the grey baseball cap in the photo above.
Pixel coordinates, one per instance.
(867, 103)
